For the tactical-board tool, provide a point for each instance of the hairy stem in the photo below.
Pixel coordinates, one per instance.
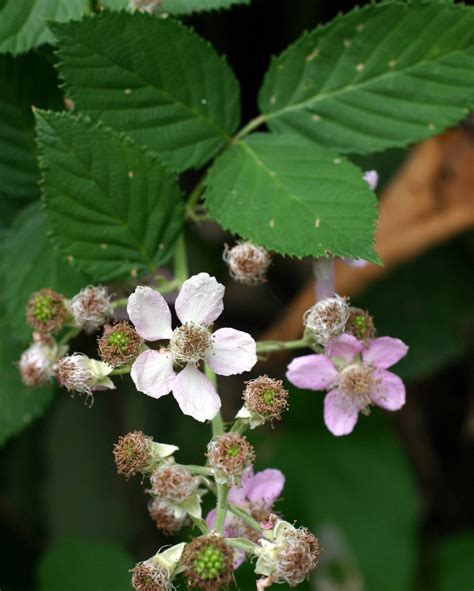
(246, 518)
(242, 544)
(269, 346)
(221, 509)
(180, 261)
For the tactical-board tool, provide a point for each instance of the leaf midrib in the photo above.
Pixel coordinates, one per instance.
(346, 89)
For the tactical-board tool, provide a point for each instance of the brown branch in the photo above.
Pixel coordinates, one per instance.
(429, 201)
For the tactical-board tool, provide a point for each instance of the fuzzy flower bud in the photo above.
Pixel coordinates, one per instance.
(168, 517)
(46, 311)
(119, 344)
(264, 400)
(37, 363)
(157, 573)
(360, 324)
(149, 6)
(136, 453)
(91, 307)
(288, 554)
(230, 455)
(326, 319)
(208, 563)
(247, 262)
(174, 483)
(79, 373)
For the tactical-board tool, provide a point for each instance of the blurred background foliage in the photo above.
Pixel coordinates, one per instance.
(392, 503)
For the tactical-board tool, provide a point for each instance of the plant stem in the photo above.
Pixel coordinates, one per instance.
(239, 426)
(200, 524)
(201, 470)
(269, 346)
(248, 519)
(251, 125)
(221, 509)
(242, 544)
(180, 261)
(120, 371)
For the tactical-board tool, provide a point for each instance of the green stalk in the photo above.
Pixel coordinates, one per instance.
(221, 509)
(246, 518)
(180, 261)
(251, 125)
(269, 346)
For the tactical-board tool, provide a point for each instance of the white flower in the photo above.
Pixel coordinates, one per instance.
(226, 351)
(37, 363)
(79, 373)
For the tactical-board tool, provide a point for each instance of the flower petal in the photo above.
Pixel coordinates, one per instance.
(232, 352)
(239, 558)
(384, 352)
(345, 346)
(340, 413)
(312, 372)
(150, 314)
(195, 394)
(200, 300)
(266, 487)
(238, 494)
(153, 373)
(390, 392)
(356, 263)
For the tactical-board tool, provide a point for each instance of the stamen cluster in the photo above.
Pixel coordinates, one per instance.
(46, 311)
(119, 344)
(190, 343)
(247, 262)
(230, 455)
(266, 397)
(166, 516)
(360, 324)
(326, 319)
(91, 307)
(173, 483)
(149, 576)
(133, 454)
(296, 556)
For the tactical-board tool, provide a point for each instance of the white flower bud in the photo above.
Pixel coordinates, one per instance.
(37, 363)
(327, 319)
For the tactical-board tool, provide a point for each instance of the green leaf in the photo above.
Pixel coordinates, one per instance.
(378, 77)
(356, 493)
(153, 79)
(456, 564)
(114, 208)
(292, 197)
(20, 404)
(24, 81)
(416, 304)
(23, 23)
(80, 565)
(188, 6)
(31, 263)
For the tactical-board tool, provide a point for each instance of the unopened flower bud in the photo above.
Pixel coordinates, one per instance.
(37, 363)
(149, 6)
(288, 554)
(119, 344)
(167, 516)
(79, 373)
(208, 563)
(46, 311)
(91, 307)
(360, 324)
(230, 455)
(247, 262)
(157, 573)
(173, 483)
(136, 453)
(326, 319)
(264, 400)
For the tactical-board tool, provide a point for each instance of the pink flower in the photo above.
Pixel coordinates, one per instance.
(227, 351)
(256, 495)
(355, 375)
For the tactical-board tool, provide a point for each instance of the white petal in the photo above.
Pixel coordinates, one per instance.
(232, 352)
(196, 394)
(153, 373)
(150, 314)
(200, 300)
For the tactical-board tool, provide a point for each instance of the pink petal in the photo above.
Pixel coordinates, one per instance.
(312, 372)
(150, 314)
(232, 352)
(153, 373)
(239, 558)
(384, 352)
(371, 177)
(266, 487)
(195, 394)
(390, 392)
(229, 521)
(200, 300)
(356, 263)
(345, 346)
(340, 413)
(238, 494)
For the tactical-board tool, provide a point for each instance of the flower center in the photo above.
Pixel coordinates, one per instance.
(357, 381)
(190, 343)
(209, 563)
(268, 396)
(119, 340)
(42, 308)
